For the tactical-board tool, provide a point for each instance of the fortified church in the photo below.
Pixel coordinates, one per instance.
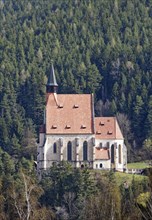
(72, 133)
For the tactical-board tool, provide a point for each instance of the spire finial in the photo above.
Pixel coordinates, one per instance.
(51, 83)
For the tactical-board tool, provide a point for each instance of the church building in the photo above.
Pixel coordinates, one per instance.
(72, 133)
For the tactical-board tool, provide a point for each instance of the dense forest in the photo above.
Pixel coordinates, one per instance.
(101, 47)
(65, 193)
(97, 46)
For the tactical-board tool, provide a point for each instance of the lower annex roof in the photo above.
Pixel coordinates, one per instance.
(107, 128)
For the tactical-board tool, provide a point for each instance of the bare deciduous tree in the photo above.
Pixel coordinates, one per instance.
(25, 195)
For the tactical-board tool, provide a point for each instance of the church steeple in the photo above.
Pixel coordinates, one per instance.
(51, 86)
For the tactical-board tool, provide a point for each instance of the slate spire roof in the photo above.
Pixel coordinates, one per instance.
(51, 83)
(52, 79)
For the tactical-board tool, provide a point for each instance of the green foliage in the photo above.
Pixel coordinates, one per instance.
(62, 180)
(143, 198)
(71, 193)
(7, 165)
(137, 165)
(105, 203)
(20, 191)
(102, 47)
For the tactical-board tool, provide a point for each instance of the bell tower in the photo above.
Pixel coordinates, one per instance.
(51, 86)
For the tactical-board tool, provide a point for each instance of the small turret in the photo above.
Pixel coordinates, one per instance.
(51, 86)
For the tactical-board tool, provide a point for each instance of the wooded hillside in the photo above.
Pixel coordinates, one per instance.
(98, 46)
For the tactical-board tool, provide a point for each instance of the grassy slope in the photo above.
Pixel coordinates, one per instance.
(137, 165)
(122, 177)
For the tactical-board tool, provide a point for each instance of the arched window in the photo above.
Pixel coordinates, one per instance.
(119, 153)
(69, 151)
(112, 154)
(85, 150)
(54, 148)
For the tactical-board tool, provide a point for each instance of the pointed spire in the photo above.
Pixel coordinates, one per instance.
(51, 85)
(52, 78)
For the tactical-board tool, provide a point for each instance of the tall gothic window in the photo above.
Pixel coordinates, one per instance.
(119, 153)
(112, 154)
(54, 148)
(85, 150)
(69, 151)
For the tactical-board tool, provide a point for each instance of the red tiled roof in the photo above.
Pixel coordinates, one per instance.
(101, 154)
(107, 128)
(69, 114)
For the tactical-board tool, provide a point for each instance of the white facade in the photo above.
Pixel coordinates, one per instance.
(47, 155)
(120, 155)
(54, 148)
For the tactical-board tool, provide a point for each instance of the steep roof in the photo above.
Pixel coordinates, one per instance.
(69, 114)
(52, 79)
(107, 128)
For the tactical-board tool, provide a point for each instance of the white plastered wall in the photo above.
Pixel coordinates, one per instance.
(61, 154)
(40, 152)
(107, 163)
(46, 157)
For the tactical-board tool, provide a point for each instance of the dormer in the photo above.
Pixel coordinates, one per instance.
(76, 106)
